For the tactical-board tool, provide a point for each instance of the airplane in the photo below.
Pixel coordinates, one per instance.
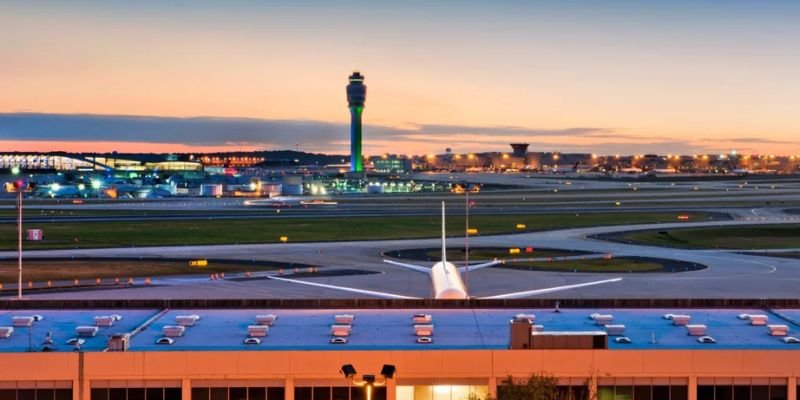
(446, 279)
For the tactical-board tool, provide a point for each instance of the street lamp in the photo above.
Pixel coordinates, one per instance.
(467, 188)
(368, 381)
(19, 187)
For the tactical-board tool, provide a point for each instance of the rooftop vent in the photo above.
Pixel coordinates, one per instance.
(252, 340)
(424, 340)
(696, 329)
(173, 330)
(76, 342)
(165, 340)
(778, 330)
(22, 322)
(187, 320)
(266, 319)
(758, 319)
(743, 316)
(423, 330)
(341, 330)
(6, 331)
(422, 319)
(344, 319)
(623, 340)
(791, 340)
(338, 340)
(257, 330)
(706, 340)
(86, 331)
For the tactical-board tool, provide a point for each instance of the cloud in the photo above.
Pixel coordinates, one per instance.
(212, 131)
(750, 140)
(322, 136)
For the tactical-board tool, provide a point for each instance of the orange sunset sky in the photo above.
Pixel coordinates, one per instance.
(621, 77)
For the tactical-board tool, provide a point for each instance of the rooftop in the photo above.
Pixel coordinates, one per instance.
(392, 329)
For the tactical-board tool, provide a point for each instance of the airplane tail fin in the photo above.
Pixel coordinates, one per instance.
(444, 238)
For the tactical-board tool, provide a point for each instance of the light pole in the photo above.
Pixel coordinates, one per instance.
(466, 237)
(368, 381)
(19, 241)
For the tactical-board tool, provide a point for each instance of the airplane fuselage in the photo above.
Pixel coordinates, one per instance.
(447, 283)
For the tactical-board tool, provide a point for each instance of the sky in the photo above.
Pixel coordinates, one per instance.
(609, 77)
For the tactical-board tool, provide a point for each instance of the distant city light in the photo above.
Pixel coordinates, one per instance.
(81, 186)
(96, 184)
(15, 170)
(55, 187)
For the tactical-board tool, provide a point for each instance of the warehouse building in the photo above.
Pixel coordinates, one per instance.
(295, 351)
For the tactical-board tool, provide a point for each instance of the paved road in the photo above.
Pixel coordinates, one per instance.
(730, 274)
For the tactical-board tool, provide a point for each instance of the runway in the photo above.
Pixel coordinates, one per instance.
(730, 274)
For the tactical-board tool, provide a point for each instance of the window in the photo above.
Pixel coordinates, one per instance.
(435, 392)
(138, 393)
(642, 392)
(35, 394)
(237, 393)
(741, 392)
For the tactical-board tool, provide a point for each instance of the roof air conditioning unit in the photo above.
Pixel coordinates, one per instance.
(343, 319)
(758, 320)
(257, 330)
(696, 329)
(6, 331)
(173, 330)
(778, 330)
(341, 330)
(186, 320)
(681, 320)
(104, 320)
(422, 318)
(602, 319)
(22, 322)
(615, 330)
(266, 319)
(423, 330)
(86, 331)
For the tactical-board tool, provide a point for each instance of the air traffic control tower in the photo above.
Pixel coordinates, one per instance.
(356, 95)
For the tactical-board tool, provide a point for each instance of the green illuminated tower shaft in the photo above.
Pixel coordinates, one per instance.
(356, 96)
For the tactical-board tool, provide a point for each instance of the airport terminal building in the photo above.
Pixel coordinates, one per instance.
(289, 351)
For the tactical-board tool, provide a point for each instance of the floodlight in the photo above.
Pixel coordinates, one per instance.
(388, 371)
(348, 370)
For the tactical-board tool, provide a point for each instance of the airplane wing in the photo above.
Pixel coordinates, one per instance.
(461, 270)
(409, 266)
(382, 295)
(528, 293)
